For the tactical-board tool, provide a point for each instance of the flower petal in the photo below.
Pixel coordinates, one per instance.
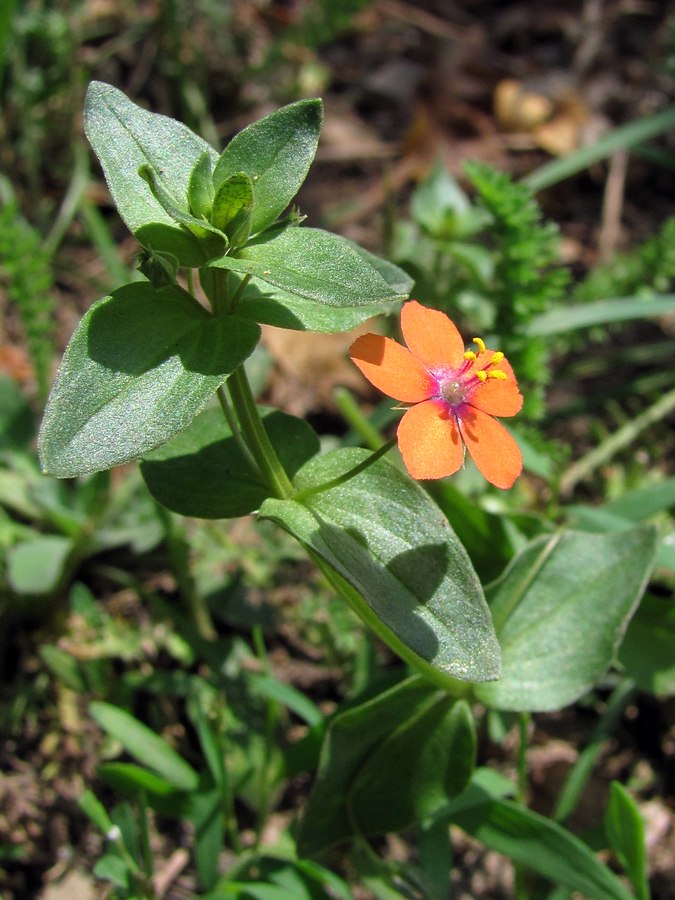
(497, 397)
(431, 336)
(429, 441)
(391, 368)
(492, 448)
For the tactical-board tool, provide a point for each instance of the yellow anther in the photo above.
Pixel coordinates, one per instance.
(496, 358)
(480, 343)
(481, 375)
(498, 374)
(470, 355)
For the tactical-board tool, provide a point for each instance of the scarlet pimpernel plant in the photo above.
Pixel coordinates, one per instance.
(156, 372)
(455, 394)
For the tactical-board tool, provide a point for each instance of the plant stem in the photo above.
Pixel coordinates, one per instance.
(353, 413)
(257, 440)
(234, 428)
(452, 686)
(347, 476)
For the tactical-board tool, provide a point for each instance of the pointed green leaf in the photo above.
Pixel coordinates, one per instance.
(648, 650)
(140, 366)
(275, 307)
(124, 138)
(385, 537)
(625, 831)
(351, 738)
(315, 264)
(542, 845)
(425, 760)
(560, 610)
(202, 472)
(144, 745)
(200, 187)
(232, 207)
(275, 153)
(201, 229)
(39, 565)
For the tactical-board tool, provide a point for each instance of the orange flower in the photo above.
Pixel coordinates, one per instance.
(455, 396)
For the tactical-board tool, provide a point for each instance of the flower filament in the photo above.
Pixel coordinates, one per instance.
(456, 387)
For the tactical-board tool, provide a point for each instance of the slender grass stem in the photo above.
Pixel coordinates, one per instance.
(617, 441)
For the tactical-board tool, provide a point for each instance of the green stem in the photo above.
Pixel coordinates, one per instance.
(240, 290)
(452, 686)
(346, 476)
(256, 437)
(234, 428)
(358, 422)
(218, 293)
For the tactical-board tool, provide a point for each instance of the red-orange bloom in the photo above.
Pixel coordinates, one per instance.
(455, 394)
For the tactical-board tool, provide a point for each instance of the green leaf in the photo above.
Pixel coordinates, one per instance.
(168, 246)
(134, 781)
(644, 502)
(315, 264)
(213, 240)
(206, 814)
(38, 566)
(648, 650)
(202, 472)
(95, 811)
(270, 306)
(17, 423)
(621, 138)
(560, 611)
(145, 746)
(232, 207)
(534, 841)
(64, 666)
(273, 689)
(426, 759)
(398, 279)
(140, 366)
(114, 869)
(200, 187)
(384, 536)
(625, 831)
(351, 738)
(275, 153)
(124, 138)
(600, 312)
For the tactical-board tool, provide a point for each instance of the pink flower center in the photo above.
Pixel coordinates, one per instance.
(457, 386)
